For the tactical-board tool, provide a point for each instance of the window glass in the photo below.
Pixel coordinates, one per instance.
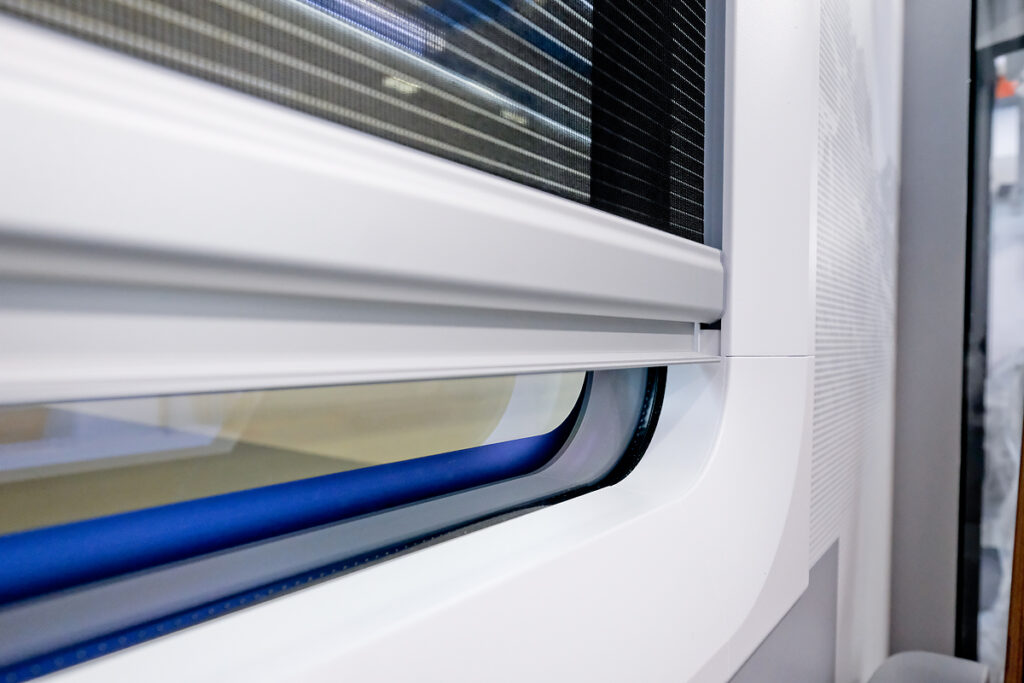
(1002, 403)
(66, 462)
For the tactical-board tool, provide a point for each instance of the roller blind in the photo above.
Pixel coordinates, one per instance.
(599, 103)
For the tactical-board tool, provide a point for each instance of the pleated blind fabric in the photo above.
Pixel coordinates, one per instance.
(599, 103)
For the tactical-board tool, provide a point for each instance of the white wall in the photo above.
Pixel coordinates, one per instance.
(855, 278)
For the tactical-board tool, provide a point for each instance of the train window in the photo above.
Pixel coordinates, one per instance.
(600, 103)
(199, 503)
(345, 450)
(67, 462)
(246, 349)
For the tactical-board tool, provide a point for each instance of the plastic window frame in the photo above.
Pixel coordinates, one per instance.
(670, 284)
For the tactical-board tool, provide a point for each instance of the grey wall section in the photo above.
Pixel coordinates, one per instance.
(802, 647)
(930, 314)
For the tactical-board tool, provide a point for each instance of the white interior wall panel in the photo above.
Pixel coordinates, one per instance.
(856, 249)
(854, 335)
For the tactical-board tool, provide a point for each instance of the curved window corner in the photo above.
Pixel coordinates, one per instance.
(196, 505)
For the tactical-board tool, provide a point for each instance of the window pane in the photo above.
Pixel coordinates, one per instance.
(1001, 394)
(116, 580)
(67, 462)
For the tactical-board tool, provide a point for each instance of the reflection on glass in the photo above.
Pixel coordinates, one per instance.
(1004, 381)
(66, 462)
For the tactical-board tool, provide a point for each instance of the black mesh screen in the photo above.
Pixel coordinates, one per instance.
(602, 104)
(647, 116)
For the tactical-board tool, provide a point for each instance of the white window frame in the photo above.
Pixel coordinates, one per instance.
(322, 255)
(676, 573)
